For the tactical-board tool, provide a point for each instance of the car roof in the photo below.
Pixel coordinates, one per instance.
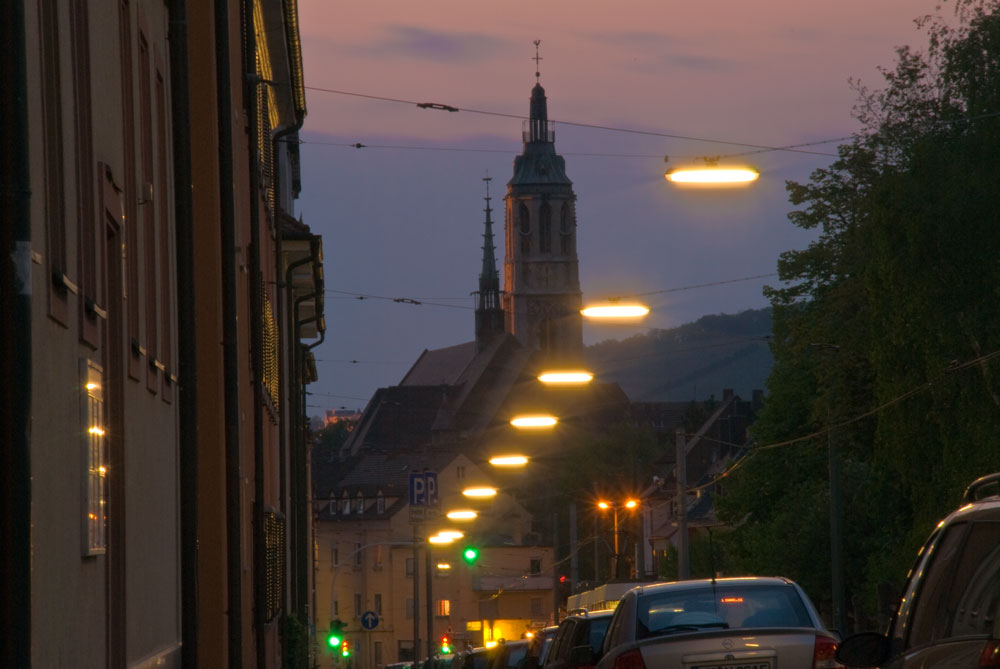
(698, 584)
(584, 613)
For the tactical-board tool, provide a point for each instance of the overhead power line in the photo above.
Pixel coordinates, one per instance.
(758, 148)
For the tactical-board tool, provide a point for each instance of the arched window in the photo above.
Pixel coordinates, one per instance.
(345, 504)
(379, 502)
(359, 503)
(545, 228)
(333, 504)
(524, 227)
(565, 229)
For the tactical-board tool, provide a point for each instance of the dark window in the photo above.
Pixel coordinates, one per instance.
(524, 227)
(535, 567)
(565, 230)
(545, 228)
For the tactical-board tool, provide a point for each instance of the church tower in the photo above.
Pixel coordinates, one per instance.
(541, 271)
(489, 313)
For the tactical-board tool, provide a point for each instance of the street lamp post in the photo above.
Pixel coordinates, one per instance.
(614, 506)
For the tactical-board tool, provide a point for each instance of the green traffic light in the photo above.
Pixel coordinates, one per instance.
(333, 640)
(470, 554)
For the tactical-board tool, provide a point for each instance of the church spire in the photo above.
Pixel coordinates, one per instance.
(538, 116)
(489, 314)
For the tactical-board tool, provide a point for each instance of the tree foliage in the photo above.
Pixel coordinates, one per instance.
(885, 327)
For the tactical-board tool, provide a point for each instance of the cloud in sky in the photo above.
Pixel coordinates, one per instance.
(409, 41)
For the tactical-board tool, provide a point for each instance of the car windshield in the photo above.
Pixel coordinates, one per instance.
(720, 606)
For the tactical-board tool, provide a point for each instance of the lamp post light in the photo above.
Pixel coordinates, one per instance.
(614, 506)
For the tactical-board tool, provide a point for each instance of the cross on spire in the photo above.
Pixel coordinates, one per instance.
(537, 60)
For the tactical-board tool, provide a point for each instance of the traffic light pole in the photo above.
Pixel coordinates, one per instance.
(416, 596)
(430, 602)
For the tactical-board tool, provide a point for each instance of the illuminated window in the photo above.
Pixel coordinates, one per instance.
(95, 445)
(443, 608)
(359, 503)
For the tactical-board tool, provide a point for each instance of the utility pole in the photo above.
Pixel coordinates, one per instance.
(683, 557)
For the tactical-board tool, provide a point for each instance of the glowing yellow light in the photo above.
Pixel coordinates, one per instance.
(732, 600)
(604, 505)
(529, 635)
(508, 460)
(450, 534)
(616, 311)
(102, 470)
(491, 643)
(443, 566)
(631, 504)
(92, 516)
(438, 539)
(92, 386)
(534, 421)
(96, 430)
(567, 377)
(462, 514)
(711, 175)
(480, 492)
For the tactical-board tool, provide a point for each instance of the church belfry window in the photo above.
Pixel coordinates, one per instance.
(565, 229)
(359, 503)
(345, 504)
(545, 228)
(524, 227)
(379, 502)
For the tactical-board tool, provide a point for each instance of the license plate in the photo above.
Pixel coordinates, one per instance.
(738, 665)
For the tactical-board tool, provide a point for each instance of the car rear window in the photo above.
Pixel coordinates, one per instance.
(598, 626)
(729, 606)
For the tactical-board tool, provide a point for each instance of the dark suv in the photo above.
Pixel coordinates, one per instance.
(578, 640)
(948, 616)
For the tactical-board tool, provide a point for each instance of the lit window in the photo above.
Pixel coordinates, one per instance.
(94, 518)
(443, 608)
(345, 504)
(359, 503)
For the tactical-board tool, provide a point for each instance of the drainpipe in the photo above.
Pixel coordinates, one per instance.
(15, 342)
(230, 337)
(187, 368)
(301, 552)
(292, 516)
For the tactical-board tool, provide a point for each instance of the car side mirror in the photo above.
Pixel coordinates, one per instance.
(868, 649)
(582, 655)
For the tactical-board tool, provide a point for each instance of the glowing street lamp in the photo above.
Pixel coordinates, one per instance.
(712, 175)
(509, 460)
(480, 492)
(534, 421)
(566, 377)
(462, 514)
(615, 311)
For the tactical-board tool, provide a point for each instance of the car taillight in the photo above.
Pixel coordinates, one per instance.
(990, 657)
(823, 653)
(630, 660)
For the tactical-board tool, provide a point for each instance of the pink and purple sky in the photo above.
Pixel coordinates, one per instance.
(403, 217)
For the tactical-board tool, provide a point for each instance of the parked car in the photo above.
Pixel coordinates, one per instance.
(542, 642)
(473, 658)
(751, 623)
(948, 615)
(513, 655)
(578, 640)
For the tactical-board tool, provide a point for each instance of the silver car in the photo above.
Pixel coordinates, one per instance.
(725, 623)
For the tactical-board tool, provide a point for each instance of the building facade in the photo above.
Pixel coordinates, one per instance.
(164, 297)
